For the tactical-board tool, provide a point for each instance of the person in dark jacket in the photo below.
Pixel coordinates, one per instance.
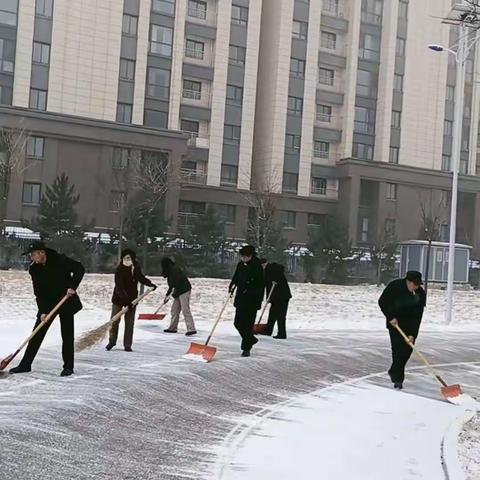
(127, 277)
(281, 295)
(250, 289)
(180, 288)
(402, 303)
(53, 276)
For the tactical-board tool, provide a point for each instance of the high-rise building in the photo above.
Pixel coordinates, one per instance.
(337, 106)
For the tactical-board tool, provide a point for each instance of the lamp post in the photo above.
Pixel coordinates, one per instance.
(461, 55)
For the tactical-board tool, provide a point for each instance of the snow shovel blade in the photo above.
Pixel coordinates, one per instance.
(5, 362)
(260, 328)
(204, 351)
(452, 393)
(152, 316)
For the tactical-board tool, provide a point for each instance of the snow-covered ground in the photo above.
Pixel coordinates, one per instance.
(469, 451)
(248, 413)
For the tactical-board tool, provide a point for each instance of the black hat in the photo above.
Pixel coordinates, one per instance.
(263, 261)
(247, 251)
(128, 251)
(36, 245)
(415, 277)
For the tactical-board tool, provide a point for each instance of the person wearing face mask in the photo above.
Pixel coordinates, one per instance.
(402, 303)
(127, 276)
(250, 290)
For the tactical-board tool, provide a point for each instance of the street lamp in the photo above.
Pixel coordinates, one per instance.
(461, 55)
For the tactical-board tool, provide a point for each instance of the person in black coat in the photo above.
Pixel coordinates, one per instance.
(402, 303)
(53, 276)
(250, 289)
(127, 277)
(181, 289)
(281, 295)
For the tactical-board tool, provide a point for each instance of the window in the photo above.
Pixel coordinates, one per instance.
(448, 128)
(129, 25)
(295, 106)
(290, 183)
(400, 47)
(226, 212)
(328, 40)
(392, 191)
(444, 232)
(446, 163)
(192, 208)
(194, 49)
(364, 120)
(189, 126)
(164, 6)
(390, 227)
(38, 99)
(315, 219)
(197, 9)
(324, 113)
(5, 95)
(319, 186)
(116, 201)
(231, 133)
(31, 193)
(372, 11)
(369, 47)
(234, 95)
(289, 219)
(445, 198)
(161, 39)
(326, 76)
(155, 118)
(364, 232)
(366, 84)
(239, 15)
(393, 157)
(396, 119)
(330, 6)
(450, 93)
(299, 30)
(321, 149)
(127, 70)
(8, 12)
(236, 55)
(36, 147)
(41, 53)
(44, 8)
(158, 83)
(398, 82)
(120, 158)
(292, 143)
(362, 151)
(463, 166)
(192, 90)
(297, 67)
(403, 9)
(124, 113)
(229, 175)
(7, 55)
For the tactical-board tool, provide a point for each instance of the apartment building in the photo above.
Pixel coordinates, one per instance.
(337, 106)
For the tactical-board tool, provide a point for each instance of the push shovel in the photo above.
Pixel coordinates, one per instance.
(156, 315)
(260, 328)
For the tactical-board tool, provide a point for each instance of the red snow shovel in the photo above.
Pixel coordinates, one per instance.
(261, 328)
(156, 315)
(203, 352)
(452, 393)
(6, 361)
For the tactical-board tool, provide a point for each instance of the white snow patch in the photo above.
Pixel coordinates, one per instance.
(196, 358)
(469, 448)
(465, 401)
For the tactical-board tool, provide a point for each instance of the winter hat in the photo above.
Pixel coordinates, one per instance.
(166, 263)
(34, 246)
(263, 261)
(414, 277)
(247, 251)
(128, 251)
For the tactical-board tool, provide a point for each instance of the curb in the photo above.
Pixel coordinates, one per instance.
(449, 448)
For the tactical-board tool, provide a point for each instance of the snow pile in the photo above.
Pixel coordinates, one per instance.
(469, 448)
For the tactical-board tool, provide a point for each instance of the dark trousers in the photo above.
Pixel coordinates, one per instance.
(244, 322)
(66, 325)
(278, 315)
(401, 352)
(129, 325)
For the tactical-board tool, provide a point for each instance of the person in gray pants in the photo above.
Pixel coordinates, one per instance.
(180, 288)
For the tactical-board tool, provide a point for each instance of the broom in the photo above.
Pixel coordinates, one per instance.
(95, 336)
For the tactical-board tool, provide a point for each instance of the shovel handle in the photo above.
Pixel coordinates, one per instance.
(167, 299)
(230, 295)
(274, 284)
(421, 357)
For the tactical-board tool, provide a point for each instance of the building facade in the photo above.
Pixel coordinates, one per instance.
(336, 106)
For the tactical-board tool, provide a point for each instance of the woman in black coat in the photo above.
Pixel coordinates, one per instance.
(127, 276)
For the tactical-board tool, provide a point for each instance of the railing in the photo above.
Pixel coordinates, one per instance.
(186, 220)
(329, 44)
(366, 54)
(194, 53)
(320, 154)
(333, 8)
(291, 190)
(192, 94)
(193, 177)
(196, 12)
(369, 17)
(228, 182)
(324, 117)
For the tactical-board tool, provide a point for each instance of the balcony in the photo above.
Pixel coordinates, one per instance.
(187, 220)
(198, 141)
(325, 191)
(193, 177)
(192, 94)
(333, 8)
(195, 53)
(372, 18)
(197, 13)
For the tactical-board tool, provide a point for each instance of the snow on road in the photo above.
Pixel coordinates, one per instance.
(155, 415)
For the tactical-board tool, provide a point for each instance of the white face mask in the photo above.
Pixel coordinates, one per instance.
(127, 262)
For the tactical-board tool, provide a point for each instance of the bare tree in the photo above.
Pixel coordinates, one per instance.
(382, 252)
(13, 147)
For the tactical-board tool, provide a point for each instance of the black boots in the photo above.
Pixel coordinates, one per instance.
(128, 349)
(21, 369)
(192, 332)
(246, 353)
(66, 372)
(109, 346)
(169, 330)
(398, 385)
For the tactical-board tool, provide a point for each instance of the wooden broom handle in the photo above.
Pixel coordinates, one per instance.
(230, 295)
(125, 309)
(274, 284)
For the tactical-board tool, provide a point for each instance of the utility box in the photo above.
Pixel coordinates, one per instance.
(414, 254)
